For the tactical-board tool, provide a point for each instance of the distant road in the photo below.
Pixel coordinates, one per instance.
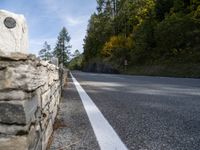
(148, 112)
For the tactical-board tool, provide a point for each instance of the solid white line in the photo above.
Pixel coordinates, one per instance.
(105, 134)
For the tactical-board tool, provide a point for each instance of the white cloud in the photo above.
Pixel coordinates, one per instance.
(37, 44)
(64, 14)
(75, 20)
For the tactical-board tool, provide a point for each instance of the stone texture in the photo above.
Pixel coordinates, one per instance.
(33, 138)
(47, 134)
(54, 114)
(30, 92)
(15, 56)
(14, 95)
(21, 141)
(45, 98)
(52, 76)
(52, 104)
(24, 77)
(44, 88)
(13, 129)
(12, 113)
(13, 143)
(15, 39)
(17, 112)
(55, 87)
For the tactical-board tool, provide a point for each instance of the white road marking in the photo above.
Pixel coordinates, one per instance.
(105, 134)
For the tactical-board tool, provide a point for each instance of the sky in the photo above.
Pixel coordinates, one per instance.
(45, 19)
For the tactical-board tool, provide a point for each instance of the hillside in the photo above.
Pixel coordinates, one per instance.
(143, 34)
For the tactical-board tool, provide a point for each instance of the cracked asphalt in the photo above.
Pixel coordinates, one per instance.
(148, 113)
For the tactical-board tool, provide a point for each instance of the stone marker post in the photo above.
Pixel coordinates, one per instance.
(13, 33)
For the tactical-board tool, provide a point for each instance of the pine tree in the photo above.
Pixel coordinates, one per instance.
(45, 53)
(62, 49)
(100, 6)
(76, 53)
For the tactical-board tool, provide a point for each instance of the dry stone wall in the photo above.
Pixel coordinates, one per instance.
(30, 91)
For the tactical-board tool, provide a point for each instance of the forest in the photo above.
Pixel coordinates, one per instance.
(144, 37)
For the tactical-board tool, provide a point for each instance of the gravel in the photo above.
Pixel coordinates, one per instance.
(75, 131)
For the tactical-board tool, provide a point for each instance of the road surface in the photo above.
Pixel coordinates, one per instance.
(147, 113)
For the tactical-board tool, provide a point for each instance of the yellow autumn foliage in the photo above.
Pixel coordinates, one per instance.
(115, 43)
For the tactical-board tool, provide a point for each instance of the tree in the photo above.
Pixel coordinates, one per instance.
(143, 32)
(76, 53)
(100, 5)
(178, 38)
(45, 53)
(62, 49)
(76, 62)
(162, 8)
(98, 32)
(118, 49)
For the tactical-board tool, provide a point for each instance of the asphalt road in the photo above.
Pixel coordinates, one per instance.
(148, 113)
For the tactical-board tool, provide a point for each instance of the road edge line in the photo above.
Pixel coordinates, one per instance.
(106, 136)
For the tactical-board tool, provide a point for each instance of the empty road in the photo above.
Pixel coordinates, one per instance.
(147, 113)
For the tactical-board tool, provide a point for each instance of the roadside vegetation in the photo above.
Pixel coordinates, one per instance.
(76, 62)
(142, 37)
(159, 37)
(62, 50)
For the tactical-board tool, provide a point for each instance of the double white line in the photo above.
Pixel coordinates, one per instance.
(105, 134)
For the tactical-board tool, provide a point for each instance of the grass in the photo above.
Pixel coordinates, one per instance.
(171, 70)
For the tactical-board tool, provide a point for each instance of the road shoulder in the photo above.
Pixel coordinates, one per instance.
(73, 129)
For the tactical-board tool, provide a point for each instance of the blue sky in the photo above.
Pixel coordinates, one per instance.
(46, 18)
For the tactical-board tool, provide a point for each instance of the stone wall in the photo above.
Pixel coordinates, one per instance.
(30, 92)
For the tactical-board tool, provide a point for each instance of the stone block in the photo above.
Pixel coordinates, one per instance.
(52, 76)
(43, 63)
(52, 104)
(13, 143)
(36, 96)
(25, 77)
(45, 117)
(33, 138)
(44, 88)
(21, 141)
(14, 33)
(46, 98)
(54, 114)
(14, 95)
(13, 129)
(58, 94)
(17, 112)
(47, 135)
(54, 87)
(2, 74)
(16, 56)
(52, 67)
